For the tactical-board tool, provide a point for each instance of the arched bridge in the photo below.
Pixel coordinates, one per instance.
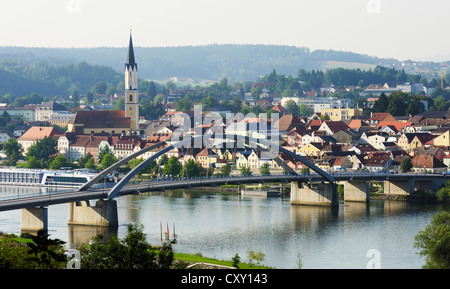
(317, 188)
(237, 139)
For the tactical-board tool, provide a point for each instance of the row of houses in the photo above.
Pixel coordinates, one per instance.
(377, 142)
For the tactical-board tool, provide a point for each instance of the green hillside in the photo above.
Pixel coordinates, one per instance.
(213, 62)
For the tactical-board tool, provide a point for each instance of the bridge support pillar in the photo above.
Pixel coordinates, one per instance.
(356, 192)
(399, 187)
(103, 214)
(317, 194)
(34, 219)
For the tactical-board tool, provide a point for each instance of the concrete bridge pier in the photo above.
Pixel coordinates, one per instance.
(356, 192)
(103, 214)
(34, 219)
(316, 194)
(399, 187)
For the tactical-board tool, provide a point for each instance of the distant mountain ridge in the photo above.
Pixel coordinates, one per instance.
(212, 62)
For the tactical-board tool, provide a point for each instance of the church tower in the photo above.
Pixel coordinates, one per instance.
(131, 89)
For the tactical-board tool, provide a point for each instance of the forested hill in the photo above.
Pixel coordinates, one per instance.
(211, 62)
(19, 78)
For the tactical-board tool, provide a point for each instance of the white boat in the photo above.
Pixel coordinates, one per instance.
(44, 177)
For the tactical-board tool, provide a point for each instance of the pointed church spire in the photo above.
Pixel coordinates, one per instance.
(130, 60)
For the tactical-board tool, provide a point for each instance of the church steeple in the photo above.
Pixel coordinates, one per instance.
(131, 63)
(131, 89)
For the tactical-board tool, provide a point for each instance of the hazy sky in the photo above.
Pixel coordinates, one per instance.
(402, 29)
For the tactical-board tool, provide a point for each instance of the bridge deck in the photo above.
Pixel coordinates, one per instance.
(176, 183)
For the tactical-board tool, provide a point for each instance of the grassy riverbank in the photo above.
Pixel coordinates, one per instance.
(192, 259)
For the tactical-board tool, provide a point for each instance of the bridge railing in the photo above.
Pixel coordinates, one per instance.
(344, 174)
(47, 191)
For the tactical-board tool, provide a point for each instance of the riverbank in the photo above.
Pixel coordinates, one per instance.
(199, 262)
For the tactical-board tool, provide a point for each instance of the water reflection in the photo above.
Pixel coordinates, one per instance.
(223, 224)
(313, 217)
(78, 235)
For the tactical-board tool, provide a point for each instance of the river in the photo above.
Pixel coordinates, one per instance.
(219, 225)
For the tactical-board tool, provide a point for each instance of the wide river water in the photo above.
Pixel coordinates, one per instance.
(219, 225)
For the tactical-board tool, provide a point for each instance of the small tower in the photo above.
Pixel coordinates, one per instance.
(131, 89)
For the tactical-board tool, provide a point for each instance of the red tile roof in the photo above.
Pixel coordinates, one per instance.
(38, 132)
(101, 119)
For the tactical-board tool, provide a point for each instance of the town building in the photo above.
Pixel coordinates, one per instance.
(33, 134)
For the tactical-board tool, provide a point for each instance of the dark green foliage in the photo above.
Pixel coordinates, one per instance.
(434, 242)
(236, 259)
(133, 252)
(13, 151)
(42, 152)
(406, 165)
(47, 252)
(40, 77)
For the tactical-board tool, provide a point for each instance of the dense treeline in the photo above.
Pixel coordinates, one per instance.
(19, 79)
(212, 62)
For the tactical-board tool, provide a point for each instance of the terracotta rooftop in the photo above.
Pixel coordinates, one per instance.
(101, 119)
(38, 132)
(426, 161)
(287, 122)
(398, 125)
(336, 126)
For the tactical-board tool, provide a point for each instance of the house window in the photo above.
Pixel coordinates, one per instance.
(131, 98)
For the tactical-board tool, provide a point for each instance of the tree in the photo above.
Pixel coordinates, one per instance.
(163, 160)
(406, 165)
(13, 151)
(324, 116)
(397, 103)
(43, 150)
(209, 102)
(107, 161)
(151, 91)
(225, 170)
(440, 103)
(58, 163)
(133, 252)
(32, 163)
(293, 108)
(31, 252)
(191, 169)
(49, 253)
(265, 169)
(415, 107)
(184, 104)
(158, 99)
(173, 167)
(236, 104)
(82, 162)
(287, 93)
(119, 104)
(245, 170)
(434, 242)
(99, 88)
(103, 151)
(236, 259)
(111, 91)
(258, 256)
(381, 104)
(304, 111)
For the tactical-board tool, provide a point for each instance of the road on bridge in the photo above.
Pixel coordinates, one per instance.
(61, 197)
